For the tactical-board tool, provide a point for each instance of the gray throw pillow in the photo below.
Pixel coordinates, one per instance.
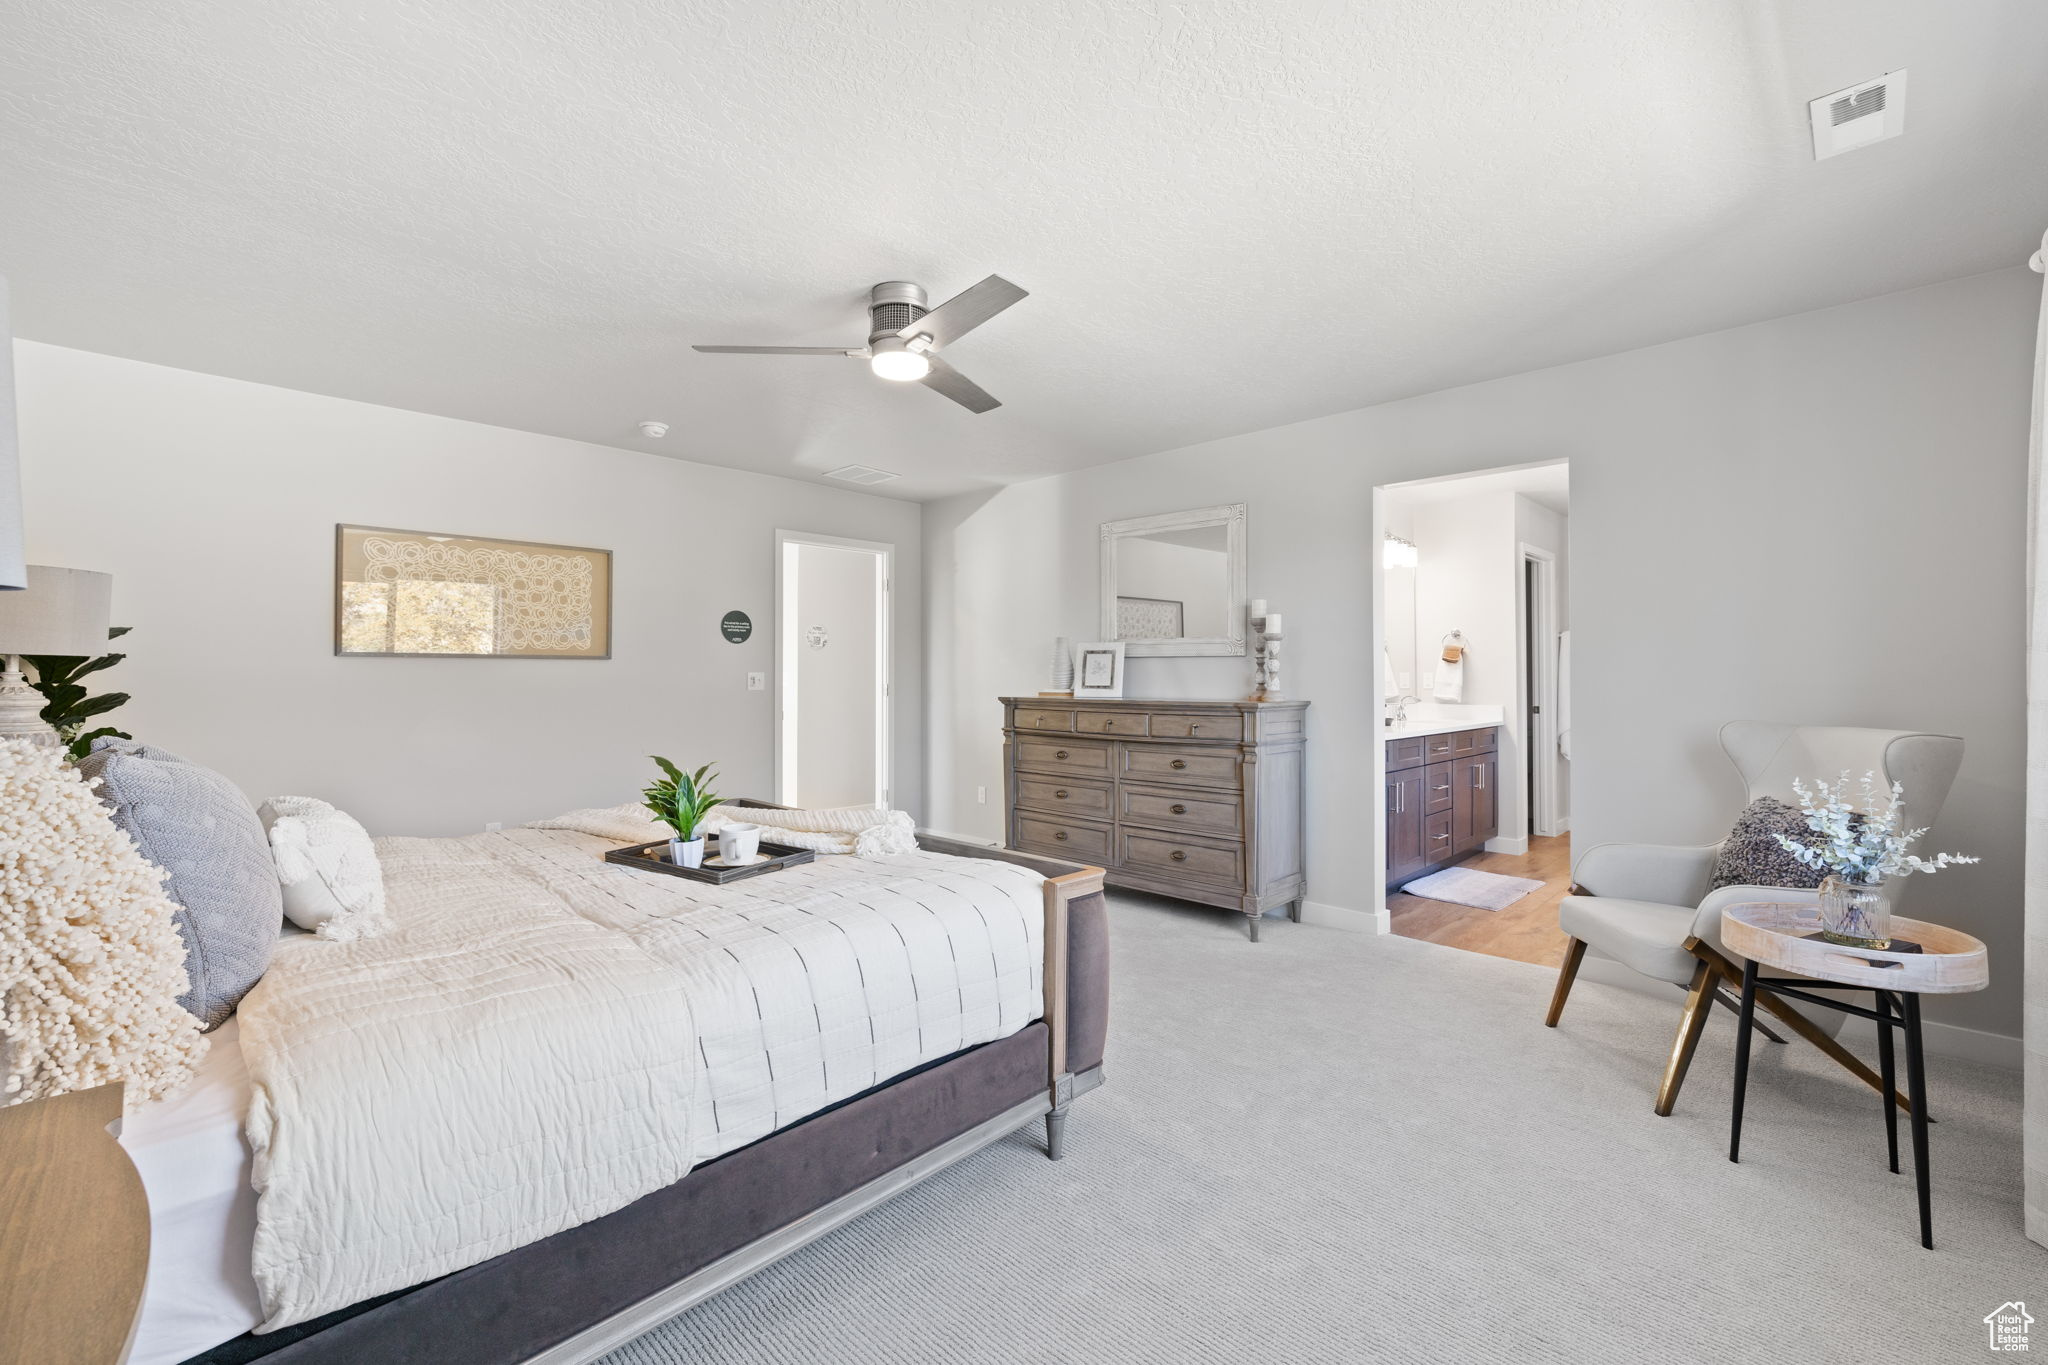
(199, 827)
(1752, 856)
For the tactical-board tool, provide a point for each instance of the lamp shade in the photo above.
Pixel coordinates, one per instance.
(62, 611)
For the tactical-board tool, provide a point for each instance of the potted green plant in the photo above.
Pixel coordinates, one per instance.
(681, 800)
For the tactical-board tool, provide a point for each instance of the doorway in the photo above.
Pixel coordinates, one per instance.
(1470, 589)
(832, 670)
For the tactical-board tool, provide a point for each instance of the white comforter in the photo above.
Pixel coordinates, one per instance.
(545, 1037)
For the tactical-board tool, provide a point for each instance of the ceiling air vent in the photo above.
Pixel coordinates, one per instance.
(860, 473)
(1859, 116)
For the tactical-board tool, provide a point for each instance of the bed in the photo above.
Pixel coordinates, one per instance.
(803, 1108)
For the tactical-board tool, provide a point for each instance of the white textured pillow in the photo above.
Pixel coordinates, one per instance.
(332, 881)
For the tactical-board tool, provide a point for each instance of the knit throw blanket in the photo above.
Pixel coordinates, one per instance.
(863, 831)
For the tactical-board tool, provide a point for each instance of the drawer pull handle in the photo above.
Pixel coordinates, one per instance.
(1180, 810)
(1180, 763)
(1059, 753)
(1061, 793)
(1060, 834)
(1444, 788)
(1441, 838)
(1479, 778)
(1179, 856)
(1194, 729)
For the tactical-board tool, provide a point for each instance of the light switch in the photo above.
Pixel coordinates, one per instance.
(981, 795)
(1429, 682)
(494, 826)
(757, 682)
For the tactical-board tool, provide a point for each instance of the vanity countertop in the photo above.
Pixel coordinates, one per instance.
(1438, 718)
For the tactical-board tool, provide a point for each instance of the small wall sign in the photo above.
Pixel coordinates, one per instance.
(817, 636)
(735, 626)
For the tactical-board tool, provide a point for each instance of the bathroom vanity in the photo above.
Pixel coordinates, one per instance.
(1443, 796)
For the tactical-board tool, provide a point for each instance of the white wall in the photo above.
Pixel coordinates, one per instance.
(835, 752)
(1713, 479)
(12, 571)
(213, 503)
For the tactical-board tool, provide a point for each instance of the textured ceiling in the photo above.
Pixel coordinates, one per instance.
(1230, 213)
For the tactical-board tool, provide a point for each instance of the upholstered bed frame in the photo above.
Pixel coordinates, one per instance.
(582, 1292)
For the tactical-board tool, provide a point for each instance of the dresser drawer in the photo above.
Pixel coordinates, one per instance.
(1221, 813)
(1044, 718)
(1063, 838)
(1164, 766)
(1436, 787)
(1109, 722)
(1070, 796)
(1195, 725)
(1405, 753)
(1436, 747)
(1436, 837)
(1052, 755)
(1162, 853)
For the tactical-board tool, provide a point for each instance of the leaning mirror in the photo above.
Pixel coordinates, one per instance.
(1174, 584)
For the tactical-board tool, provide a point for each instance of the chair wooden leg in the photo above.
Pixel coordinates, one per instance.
(1798, 1023)
(1699, 1003)
(1567, 972)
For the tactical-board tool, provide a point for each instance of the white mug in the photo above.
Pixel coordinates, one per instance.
(739, 843)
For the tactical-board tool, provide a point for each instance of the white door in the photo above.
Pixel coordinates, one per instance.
(832, 665)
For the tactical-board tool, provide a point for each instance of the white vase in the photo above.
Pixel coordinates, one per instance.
(686, 852)
(1063, 665)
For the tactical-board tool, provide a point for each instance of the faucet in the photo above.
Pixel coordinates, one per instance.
(1400, 716)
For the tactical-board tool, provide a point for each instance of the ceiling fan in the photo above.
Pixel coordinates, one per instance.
(904, 336)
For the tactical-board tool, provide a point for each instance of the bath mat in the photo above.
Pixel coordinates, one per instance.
(1469, 886)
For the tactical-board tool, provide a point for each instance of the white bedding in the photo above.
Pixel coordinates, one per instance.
(544, 1037)
(202, 1209)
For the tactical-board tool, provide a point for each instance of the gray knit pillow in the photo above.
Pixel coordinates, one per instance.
(1752, 856)
(197, 825)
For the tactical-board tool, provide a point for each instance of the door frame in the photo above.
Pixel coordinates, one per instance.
(786, 627)
(1538, 617)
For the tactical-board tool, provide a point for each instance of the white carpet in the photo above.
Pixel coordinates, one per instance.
(1469, 886)
(1334, 1147)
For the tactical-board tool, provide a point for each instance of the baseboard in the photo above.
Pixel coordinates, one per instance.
(1343, 917)
(1973, 1045)
(1940, 1040)
(981, 839)
(1517, 845)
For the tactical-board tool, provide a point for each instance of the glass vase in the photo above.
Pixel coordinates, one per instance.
(1857, 914)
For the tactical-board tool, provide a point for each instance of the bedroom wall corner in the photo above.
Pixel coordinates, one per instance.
(213, 503)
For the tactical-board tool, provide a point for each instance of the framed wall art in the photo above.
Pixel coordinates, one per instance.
(1099, 669)
(423, 594)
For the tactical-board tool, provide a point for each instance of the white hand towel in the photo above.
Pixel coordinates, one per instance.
(1450, 681)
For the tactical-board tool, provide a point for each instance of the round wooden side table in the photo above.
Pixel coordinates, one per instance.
(1787, 937)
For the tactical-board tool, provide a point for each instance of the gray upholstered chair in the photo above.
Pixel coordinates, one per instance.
(1648, 907)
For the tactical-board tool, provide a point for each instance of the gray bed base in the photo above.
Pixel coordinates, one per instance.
(574, 1296)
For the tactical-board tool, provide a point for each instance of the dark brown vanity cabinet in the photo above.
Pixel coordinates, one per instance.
(1443, 800)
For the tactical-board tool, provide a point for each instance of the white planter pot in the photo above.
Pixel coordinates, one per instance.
(686, 852)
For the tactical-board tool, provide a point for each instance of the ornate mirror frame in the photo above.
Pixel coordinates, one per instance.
(1231, 517)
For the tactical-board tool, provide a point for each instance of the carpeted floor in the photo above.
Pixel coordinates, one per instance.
(1338, 1147)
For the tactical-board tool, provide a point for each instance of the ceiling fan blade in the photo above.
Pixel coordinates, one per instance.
(965, 311)
(958, 387)
(777, 350)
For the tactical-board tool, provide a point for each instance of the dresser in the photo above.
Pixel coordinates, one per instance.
(1443, 800)
(1202, 800)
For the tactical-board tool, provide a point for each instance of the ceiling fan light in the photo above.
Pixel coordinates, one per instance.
(892, 359)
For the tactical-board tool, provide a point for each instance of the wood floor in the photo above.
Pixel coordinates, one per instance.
(1526, 931)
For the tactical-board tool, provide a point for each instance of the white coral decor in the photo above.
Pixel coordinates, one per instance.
(1862, 846)
(91, 964)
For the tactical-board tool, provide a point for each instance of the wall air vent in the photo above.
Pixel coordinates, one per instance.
(860, 473)
(1859, 116)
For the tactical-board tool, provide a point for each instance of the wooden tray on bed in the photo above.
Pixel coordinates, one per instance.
(654, 858)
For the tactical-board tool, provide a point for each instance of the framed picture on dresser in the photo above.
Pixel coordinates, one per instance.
(1099, 669)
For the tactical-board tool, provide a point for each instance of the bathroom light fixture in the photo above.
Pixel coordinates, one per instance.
(1401, 553)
